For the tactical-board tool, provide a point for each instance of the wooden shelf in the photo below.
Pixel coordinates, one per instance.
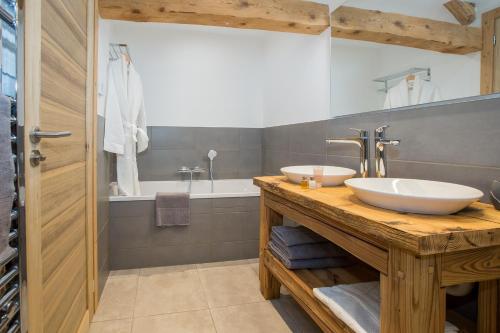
(301, 283)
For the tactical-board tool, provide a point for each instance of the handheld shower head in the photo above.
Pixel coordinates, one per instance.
(212, 154)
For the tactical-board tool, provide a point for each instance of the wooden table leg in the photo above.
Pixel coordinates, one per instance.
(487, 307)
(411, 297)
(269, 285)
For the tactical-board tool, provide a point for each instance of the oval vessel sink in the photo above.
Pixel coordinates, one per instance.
(332, 176)
(413, 195)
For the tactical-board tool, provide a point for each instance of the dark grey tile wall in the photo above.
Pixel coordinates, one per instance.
(220, 229)
(239, 152)
(103, 175)
(457, 143)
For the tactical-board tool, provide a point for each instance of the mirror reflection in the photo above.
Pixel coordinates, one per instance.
(388, 54)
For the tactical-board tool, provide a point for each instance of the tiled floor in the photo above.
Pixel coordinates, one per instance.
(216, 297)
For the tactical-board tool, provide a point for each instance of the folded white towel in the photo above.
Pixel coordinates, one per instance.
(358, 305)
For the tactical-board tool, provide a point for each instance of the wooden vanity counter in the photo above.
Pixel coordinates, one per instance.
(417, 256)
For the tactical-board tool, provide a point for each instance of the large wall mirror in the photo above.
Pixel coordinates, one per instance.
(388, 54)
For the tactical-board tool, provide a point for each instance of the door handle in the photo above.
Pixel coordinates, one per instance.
(36, 135)
(36, 157)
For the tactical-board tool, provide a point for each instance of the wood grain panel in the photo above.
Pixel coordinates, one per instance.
(61, 235)
(269, 285)
(420, 234)
(397, 29)
(70, 34)
(64, 82)
(487, 303)
(74, 321)
(61, 188)
(489, 50)
(294, 16)
(368, 253)
(471, 266)
(412, 300)
(63, 288)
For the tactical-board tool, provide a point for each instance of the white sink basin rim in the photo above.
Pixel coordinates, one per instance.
(332, 175)
(414, 195)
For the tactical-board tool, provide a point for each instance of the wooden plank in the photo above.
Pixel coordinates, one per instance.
(294, 16)
(487, 303)
(368, 253)
(91, 230)
(489, 51)
(269, 285)
(411, 297)
(303, 292)
(397, 29)
(31, 12)
(421, 234)
(471, 266)
(463, 11)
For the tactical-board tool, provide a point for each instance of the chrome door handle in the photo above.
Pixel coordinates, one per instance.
(36, 135)
(36, 157)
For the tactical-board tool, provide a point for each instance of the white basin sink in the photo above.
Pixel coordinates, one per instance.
(413, 195)
(332, 176)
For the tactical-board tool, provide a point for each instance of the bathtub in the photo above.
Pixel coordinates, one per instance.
(224, 225)
(200, 189)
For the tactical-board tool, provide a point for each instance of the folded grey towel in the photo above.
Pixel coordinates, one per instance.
(172, 209)
(308, 263)
(291, 236)
(308, 251)
(6, 175)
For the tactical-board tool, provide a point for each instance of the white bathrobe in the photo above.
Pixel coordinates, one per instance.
(125, 128)
(401, 95)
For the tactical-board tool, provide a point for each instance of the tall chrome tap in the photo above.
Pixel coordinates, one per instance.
(362, 141)
(380, 156)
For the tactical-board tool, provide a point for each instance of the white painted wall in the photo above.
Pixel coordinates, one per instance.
(355, 64)
(196, 76)
(297, 79)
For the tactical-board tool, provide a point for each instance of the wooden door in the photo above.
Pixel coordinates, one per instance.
(58, 53)
(490, 55)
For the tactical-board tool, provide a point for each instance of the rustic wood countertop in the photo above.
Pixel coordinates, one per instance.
(477, 226)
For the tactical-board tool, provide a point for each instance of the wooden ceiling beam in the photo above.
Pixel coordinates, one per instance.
(397, 29)
(294, 16)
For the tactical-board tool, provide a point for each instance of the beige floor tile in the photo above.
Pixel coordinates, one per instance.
(168, 291)
(113, 326)
(117, 300)
(185, 322)
(124, 273)
(223, 264)
(255, 267)
(231, 285)
(166, 269)
(259, 317)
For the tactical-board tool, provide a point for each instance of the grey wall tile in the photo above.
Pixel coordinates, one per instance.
(277, 138)
(306, 159)
(226, 164)
(217, 138)
(250, 138)
(454, 133)
(166, 137)
(478, 177)
(274, 160)
(308, 138)
(250, 163)
(133, 208)
(200, 206)
(227, 251)
(229, 226)
(130, 232)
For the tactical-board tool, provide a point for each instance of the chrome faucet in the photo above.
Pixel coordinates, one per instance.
(191, 171)
(362, 141)
(380, 155)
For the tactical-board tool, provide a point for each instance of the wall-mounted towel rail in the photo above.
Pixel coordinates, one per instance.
(388, 80)
(116, 50)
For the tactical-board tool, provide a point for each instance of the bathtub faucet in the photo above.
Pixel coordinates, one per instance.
(191, 171)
